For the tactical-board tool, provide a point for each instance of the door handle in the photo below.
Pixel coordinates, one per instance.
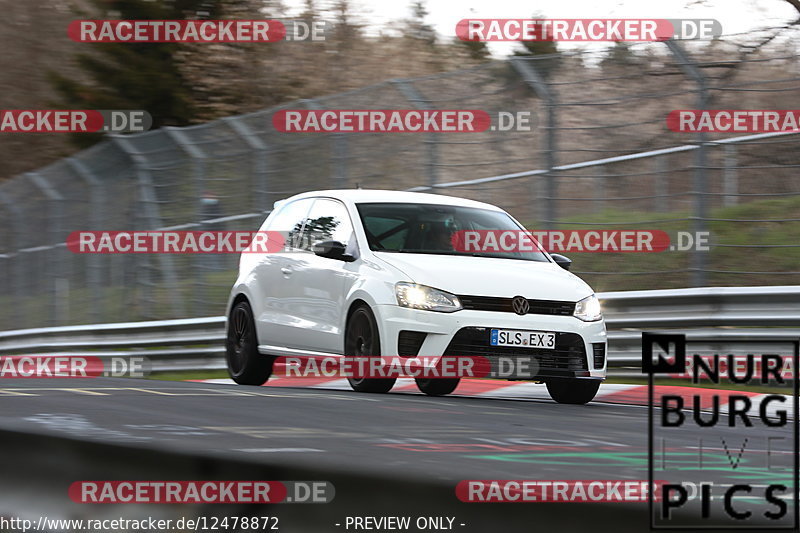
(286, 271)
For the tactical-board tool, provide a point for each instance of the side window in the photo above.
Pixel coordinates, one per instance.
(328, 220)
(289, 221)
(385, 232)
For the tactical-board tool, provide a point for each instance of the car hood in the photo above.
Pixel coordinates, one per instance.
(489, 276)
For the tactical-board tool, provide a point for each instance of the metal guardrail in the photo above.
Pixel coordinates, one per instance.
(721, 313)
(182, 344)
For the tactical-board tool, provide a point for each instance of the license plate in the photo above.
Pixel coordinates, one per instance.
(523, 339)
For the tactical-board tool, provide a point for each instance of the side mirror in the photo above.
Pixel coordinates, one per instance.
(332, 250)
(562, 261)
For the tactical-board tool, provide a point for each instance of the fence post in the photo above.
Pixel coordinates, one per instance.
(413, 95)
(60, 304)
(600, 188)
(198, 158)
(96, 201)
(661, 185)
(730, 179)
(259, 152)
(536, 82)
(150, 213)
(338, 174)
(340, 147)
(699, 178)
(18, 275)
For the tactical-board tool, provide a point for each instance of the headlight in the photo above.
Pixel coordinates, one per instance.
(588, 309)
(427, 298)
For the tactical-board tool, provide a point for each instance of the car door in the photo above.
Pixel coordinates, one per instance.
(319, 285)
(272, 318)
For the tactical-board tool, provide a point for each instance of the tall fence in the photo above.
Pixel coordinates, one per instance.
(598, 155)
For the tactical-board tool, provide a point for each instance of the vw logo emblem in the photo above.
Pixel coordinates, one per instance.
(520, 305)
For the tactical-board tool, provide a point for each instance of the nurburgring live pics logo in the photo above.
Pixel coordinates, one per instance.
(754, 416)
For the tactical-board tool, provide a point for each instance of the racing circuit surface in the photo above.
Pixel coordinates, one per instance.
(397, 435)
(385, 453)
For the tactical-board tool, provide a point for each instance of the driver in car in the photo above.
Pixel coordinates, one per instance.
(439, 238)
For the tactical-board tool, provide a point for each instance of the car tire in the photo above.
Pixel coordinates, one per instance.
(362, 339)
(437, 387)
(245, 365)
(573, 391)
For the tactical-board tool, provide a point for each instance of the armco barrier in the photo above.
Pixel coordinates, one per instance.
(719, 313)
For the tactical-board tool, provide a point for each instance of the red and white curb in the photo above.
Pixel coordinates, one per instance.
(526, 391)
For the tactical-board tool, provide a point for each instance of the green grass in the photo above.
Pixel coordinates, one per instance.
(188, 375)
(620, 270)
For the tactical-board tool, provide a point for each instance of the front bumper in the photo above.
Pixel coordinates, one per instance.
(442, 330)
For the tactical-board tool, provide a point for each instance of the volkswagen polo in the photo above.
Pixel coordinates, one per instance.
(374, 272)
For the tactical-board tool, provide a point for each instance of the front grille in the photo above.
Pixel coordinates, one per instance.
(409, 342)
(599, 349)
(568, 357)
(503, 305)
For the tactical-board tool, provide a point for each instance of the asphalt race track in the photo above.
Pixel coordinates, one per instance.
(400, 439)
(390, 434)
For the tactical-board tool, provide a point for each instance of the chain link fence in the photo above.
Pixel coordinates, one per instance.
(598, 156)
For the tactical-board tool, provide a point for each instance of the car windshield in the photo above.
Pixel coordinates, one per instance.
(430, 228)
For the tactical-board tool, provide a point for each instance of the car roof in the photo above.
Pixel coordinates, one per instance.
(362, 196)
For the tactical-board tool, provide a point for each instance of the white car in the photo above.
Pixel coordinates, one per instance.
(367, 272)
